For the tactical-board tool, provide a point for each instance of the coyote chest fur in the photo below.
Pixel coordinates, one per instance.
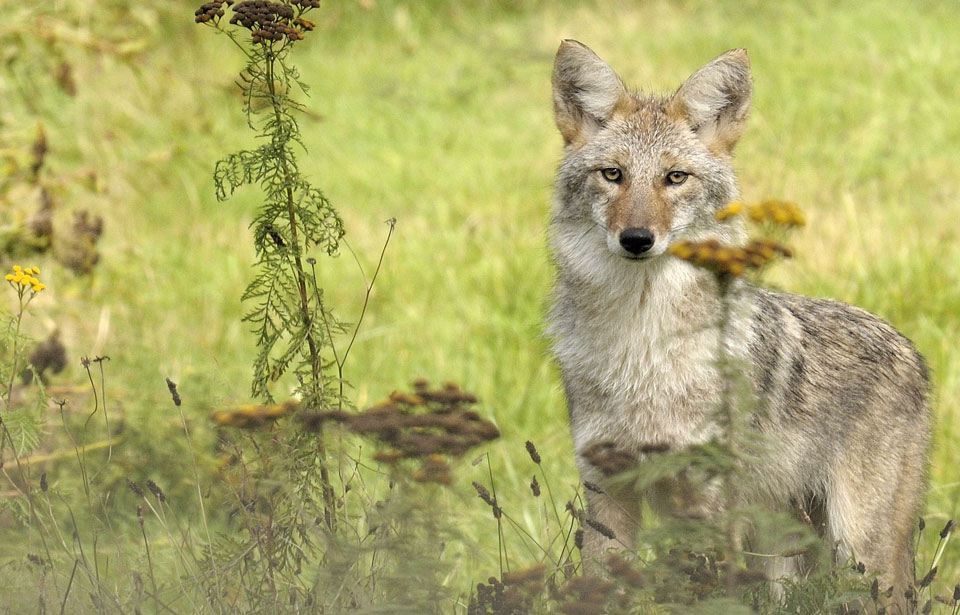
(635, 331)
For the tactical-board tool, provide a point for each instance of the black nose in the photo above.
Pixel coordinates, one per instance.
(636, 240)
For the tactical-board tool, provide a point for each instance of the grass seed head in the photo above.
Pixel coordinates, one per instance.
(532, 450)
(135, 488)
(947, 529)
(156, 491)
(600, 528)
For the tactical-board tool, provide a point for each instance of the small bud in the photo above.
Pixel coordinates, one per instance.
(43, 482)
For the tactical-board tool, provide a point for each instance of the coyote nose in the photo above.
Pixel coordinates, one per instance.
(636, 240)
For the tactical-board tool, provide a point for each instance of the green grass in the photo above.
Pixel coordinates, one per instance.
(439, 114)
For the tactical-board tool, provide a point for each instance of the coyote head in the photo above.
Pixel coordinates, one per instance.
(640, 172)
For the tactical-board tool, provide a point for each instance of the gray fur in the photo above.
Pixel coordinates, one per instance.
(842, 397)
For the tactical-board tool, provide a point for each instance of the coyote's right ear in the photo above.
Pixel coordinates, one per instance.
(586, 92)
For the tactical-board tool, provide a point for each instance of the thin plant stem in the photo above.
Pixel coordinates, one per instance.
(203, 511)
(315, 360)
(728, 413)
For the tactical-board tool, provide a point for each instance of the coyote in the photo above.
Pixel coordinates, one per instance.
(841, 396)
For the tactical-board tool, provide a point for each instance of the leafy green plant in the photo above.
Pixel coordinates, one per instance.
(293, 328)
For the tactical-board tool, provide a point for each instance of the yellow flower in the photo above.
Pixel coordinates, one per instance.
(38, 287)
(8, 277)
(17, 269)
(24, 280)
(729, 211)
(778, 212)
(35, 270)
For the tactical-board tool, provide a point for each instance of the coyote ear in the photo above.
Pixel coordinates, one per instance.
(715, 100)
(586, 92)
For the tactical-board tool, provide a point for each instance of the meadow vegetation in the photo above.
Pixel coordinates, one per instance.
(135, 487)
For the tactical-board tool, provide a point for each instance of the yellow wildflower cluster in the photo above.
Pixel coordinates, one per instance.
(775, 211)
(779, 212)
(731, 210)
(24, 277)
(254, 415)
(728, 260)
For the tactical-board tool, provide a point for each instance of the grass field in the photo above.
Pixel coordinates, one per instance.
(439, 114)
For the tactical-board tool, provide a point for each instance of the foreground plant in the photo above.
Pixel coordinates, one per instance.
(293, 328)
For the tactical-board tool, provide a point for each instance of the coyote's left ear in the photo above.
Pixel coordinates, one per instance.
(715, 101)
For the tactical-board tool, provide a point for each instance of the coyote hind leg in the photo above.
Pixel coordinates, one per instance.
(871, 514)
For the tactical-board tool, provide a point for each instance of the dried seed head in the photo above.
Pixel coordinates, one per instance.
(928, 578)
(135, 488)
(927, 607)
(532, 450)
(172, 386)
(922, 524)
(535, 487)
(578, 539)
(608, 458)
(593, 487)
(43, 482)
(956, 592)
(600, 528)
(875, 590)
(434, 470)
(621, 568)
(156, 491)
(947, 529)
(534, 574)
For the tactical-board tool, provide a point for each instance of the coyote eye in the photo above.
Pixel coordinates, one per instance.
(677, 177)
(612, 175)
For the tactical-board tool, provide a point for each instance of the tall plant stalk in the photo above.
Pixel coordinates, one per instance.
(294, 333)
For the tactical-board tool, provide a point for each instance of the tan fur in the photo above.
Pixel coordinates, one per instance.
(843, 395)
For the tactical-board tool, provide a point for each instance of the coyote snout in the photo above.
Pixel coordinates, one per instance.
(839, 394)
